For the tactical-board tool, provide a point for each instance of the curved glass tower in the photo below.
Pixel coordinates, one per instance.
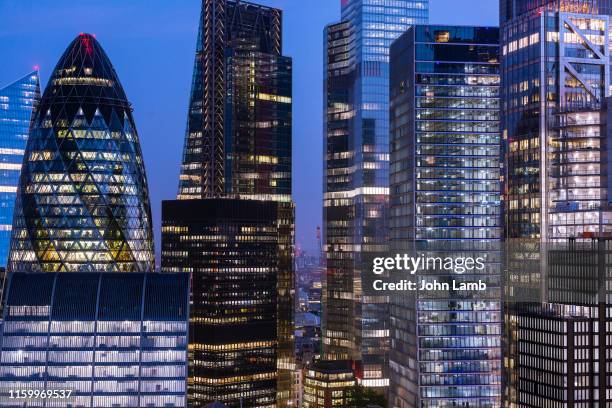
(82, 201)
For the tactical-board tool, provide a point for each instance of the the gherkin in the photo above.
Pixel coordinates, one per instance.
(83, 201)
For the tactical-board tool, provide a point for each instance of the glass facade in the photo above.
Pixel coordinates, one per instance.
(239, 253)
(556, 193)
(83, 201)
(238, 139)
(111, 339)
(356, 185)
(579, 189)
(445, 198)
(237, 148)
(551, 123)
(17, 102)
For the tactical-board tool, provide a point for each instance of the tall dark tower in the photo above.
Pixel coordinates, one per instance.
(232, 224)
(238, 139)
(83, 202)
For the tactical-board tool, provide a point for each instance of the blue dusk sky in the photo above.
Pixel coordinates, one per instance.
(151, 43)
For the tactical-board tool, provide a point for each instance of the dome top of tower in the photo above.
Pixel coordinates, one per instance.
(85, 70)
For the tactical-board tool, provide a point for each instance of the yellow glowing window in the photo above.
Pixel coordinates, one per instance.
(442, 36)
(273, 98)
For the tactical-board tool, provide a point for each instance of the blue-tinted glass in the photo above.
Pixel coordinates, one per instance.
(357, 180)
(17, 102)
(445, 198)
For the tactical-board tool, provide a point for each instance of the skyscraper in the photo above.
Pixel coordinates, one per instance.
(17, 102)
(108, 333)
(555, 81)
(445, 200)
(237, 252)
(329, 384)
(238, 140)
(356, 181)
(232, 225)
(83, 201)
(95, 339)
(553, 98)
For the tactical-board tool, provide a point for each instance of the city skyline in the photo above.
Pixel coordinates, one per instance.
(137, 52)
(441, 237)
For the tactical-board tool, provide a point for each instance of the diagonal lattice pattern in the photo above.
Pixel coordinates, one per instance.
(83, 201)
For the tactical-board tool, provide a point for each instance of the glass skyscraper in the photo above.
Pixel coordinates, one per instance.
(83, 200)
(232, 226)
(17, 103)
(356, 184)
(555, 75)
(445, 200)
(105, 339)
(238, 139)
(555, 121)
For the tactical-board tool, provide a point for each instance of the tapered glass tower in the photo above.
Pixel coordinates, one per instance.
(232, 225)
(238, 139)
(17, 102)
(83, 201)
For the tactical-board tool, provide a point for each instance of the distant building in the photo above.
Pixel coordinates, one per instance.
(328, 384)
(83, 201)
(112, 339)
(18, 101)
(307, 337)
